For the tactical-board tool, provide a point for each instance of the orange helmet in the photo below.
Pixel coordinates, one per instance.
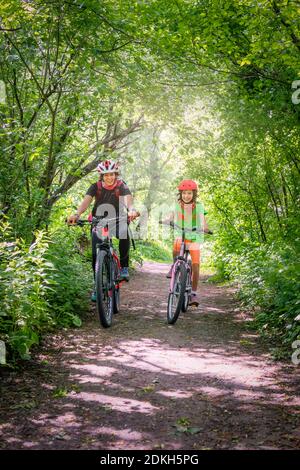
(188, 185)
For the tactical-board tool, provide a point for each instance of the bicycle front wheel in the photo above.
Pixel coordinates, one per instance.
(176, 297)
(116, 299)
(187, 294)
(104, 289)
(116, 289)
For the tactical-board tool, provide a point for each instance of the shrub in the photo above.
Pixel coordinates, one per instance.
(42, 286)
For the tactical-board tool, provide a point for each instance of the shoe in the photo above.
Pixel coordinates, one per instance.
(194, 300)
(93, 296)
(169, 275)
(124, 274)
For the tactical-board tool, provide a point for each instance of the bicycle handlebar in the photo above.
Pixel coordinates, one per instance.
(184, 229)
(97, 219)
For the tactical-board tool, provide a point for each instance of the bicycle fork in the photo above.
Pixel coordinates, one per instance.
(110, 283)
(172, 283)
(188, 288)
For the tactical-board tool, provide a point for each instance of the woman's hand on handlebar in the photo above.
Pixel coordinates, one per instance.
(73, 219)
(132, 214)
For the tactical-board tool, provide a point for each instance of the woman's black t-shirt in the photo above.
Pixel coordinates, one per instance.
(108, 196)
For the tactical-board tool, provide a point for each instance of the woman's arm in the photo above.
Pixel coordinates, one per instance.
(82, 208)
(128, 203)
(84, 205)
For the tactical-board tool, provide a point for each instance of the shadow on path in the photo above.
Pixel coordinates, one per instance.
(204, 383)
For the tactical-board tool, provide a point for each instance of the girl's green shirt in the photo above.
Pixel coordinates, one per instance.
(189, 217)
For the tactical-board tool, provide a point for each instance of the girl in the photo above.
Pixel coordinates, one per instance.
(190, 214)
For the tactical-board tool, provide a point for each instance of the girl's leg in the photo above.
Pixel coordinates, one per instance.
(195, 277)
(195, 255)
(176, 248)
(176, 251)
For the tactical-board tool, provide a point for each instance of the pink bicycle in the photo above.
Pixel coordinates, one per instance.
(181, 279)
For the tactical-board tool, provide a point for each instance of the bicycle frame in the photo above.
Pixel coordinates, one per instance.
(181, 278)
(105, 243)
(107, 268)
(182, 258)
(101, 227)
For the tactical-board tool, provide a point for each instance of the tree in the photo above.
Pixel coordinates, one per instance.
(58, 67)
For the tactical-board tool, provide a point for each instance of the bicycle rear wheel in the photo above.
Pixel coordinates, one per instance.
(104, 290)
(176, 297)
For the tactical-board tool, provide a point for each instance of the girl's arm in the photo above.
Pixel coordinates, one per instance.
(169, 218)
(203, 223)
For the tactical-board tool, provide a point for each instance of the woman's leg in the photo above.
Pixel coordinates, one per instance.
(124, 248)
(94, 255)
(124, 244)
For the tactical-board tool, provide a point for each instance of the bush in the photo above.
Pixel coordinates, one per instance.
(154, 250)
(42, 285)
(269, 278)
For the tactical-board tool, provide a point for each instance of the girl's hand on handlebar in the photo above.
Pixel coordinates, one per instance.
(166, 222)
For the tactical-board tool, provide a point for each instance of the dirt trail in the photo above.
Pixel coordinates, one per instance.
(205, 383)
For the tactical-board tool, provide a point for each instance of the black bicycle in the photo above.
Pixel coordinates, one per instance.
(107, 269)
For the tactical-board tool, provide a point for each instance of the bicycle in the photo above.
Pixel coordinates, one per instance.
(107, 270)
(180, 289)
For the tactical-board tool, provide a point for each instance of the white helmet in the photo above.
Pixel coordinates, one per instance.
(108, 166)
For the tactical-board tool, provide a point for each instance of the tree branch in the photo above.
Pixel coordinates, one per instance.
(295, 39)
(72, 177)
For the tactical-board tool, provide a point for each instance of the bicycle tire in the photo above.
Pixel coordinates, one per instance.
(104, 291)
(179, 285)
(187, 295)
(116, 299)
(116, 289)
(185, 303)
